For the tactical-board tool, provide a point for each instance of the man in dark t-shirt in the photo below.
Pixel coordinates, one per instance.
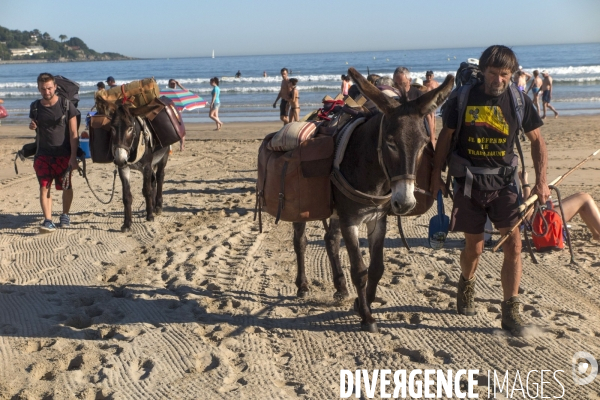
(54, 120)
(486, 139)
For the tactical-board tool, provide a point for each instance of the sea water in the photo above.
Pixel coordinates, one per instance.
(575, 69)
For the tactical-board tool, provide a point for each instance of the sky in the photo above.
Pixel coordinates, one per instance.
(193, 28)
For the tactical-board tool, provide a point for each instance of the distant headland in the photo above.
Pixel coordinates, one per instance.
(36, 47)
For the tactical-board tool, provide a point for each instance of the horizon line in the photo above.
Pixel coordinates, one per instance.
(358, 51)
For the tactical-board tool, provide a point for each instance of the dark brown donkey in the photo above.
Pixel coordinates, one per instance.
(401, 131)
(126, 132)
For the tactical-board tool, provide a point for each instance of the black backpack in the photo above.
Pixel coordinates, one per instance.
(67, 89)
(468, 73)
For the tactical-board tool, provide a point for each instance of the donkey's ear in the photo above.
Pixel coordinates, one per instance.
(384, 103)
(434, 98)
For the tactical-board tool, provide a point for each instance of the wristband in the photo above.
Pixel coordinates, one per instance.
(527, 185)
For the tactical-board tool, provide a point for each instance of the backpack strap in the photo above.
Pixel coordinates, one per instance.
(461, 94)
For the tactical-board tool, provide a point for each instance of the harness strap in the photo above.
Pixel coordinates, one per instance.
(380, 150)
(342, 184)
(281, 193)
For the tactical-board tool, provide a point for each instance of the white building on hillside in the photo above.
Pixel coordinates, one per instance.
(27, 51)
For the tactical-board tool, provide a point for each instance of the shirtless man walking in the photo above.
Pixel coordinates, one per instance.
(430, 83)
(284, 95)
(535, 86)
(547, 94)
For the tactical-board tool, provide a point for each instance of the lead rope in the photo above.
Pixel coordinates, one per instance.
(94, 193)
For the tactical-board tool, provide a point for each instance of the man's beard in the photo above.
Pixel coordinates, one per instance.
(496, 91)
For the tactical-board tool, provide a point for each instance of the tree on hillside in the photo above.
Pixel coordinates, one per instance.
(62, 37)
(75, 41)
(46, 36)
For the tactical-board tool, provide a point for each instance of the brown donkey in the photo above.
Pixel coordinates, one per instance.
(381, 157)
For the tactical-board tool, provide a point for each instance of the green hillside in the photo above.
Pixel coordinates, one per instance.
(34, 45)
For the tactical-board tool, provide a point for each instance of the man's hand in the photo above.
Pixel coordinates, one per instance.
(437, 183)
(32, 125)
(542, 191)
(275, 105)
(73, 163)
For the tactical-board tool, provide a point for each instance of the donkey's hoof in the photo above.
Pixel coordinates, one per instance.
(158, 210)
(302, 292)
(341, 295)
(150, 218)
(370, 327)
(125, 229)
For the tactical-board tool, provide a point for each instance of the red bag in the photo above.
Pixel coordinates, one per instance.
(552, 238)
(3, 112)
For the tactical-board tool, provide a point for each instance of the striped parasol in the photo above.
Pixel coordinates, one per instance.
(184, 99)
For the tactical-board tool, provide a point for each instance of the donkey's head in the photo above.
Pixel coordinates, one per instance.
(403, 136)
(123, 128)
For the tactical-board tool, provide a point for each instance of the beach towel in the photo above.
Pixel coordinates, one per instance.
(291, 135)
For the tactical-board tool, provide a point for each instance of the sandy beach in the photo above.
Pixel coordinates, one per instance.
(199, 304)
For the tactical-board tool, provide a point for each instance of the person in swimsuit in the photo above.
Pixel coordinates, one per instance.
(521, 78)
(284, 95)
(536, 84)
(345, 85)
(294, 101)
(215, 103)
(547, 94)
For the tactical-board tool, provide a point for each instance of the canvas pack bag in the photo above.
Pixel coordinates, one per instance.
(294, 185)
(140, 92)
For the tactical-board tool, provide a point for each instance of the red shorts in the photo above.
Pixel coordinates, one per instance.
(50, 168)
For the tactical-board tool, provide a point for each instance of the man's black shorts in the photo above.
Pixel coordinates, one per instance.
(469, 214)
(283, 108)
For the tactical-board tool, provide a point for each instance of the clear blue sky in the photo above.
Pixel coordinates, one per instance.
(189, 28)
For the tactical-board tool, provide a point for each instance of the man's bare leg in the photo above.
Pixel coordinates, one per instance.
(67, 198)
(469, 257)
(511, 266)
(46, 202)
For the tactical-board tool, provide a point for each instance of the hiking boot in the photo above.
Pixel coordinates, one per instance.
(47, 227)
(465, 296)
(511, 316)
(65, 221)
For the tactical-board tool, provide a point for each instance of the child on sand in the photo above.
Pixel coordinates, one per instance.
(294, 101)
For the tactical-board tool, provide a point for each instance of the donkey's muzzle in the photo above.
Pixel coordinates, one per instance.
(403, 197)
(121, 156)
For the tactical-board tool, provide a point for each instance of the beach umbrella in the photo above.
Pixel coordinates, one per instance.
(184, 99)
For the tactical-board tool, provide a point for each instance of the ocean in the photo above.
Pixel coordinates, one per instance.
(574, 67)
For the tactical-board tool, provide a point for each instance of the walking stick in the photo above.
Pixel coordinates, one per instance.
(527, 207)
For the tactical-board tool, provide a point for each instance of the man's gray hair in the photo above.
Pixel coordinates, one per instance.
(404, 71)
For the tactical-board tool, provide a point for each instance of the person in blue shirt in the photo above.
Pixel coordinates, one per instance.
(215, 103)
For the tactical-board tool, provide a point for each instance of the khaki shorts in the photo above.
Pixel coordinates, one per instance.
(470, 214)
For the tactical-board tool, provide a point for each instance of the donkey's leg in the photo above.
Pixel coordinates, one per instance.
(300, 248)
(358, 272)
(147, 191)
(376, 231)
(127, 198)
(160, 178)
(332, 244)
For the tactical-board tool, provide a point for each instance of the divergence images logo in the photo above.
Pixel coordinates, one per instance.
(580, 368)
